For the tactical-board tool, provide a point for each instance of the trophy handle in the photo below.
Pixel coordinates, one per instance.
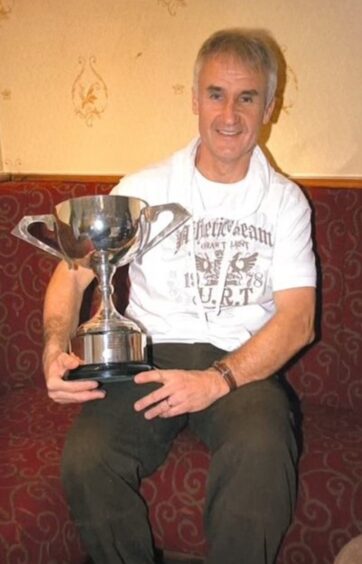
(151, 213)
(21, 230)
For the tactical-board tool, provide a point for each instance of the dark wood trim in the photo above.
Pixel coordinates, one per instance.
(325, 182)
(321, 182)
(17, 177)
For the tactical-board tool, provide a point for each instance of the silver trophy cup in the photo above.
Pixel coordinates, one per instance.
(102, 233)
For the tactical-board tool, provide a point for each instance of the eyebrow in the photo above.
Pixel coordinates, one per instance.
(251, 92)
(216, 89)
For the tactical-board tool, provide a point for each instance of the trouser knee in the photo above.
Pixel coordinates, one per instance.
(254, 452)
(80, 458)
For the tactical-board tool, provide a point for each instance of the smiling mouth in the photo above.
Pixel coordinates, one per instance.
(228, 133)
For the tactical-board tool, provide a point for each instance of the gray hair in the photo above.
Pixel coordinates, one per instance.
(254, 47)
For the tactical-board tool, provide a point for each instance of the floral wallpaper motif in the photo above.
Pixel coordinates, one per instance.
(5, 94)
(178, 89)
(291, 86)
(13, 165)
(6, 7)
(291, 90)
(172, 5)
(89, 92)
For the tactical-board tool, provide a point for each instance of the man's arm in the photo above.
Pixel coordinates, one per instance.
(63, 299)
(289, 330)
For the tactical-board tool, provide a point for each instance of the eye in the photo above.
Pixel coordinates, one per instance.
(215, 95)
(246, 99)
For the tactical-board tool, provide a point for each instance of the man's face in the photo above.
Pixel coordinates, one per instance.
(231, 104)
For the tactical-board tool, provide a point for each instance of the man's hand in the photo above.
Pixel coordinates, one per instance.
(181, 391)
(56, 365)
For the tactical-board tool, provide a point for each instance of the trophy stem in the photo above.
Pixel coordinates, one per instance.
(108, 338)
(104, 271)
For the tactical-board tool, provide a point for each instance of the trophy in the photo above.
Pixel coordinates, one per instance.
(102, 233)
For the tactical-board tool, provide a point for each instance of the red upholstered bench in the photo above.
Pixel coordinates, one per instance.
(35, 525)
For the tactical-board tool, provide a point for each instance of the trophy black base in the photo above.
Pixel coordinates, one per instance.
(106, 373)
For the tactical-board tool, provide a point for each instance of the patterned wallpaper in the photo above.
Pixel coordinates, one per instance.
(105, 87)
(89, 91)
(6, 7)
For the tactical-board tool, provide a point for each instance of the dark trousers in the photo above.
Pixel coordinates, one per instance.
(251, 485)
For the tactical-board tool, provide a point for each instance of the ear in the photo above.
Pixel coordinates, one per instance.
(268, 111)
(195, 102)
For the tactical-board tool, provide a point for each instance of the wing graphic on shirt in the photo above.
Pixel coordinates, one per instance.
(240, 266)
(239, 263)
(208, 268)
(203, 264)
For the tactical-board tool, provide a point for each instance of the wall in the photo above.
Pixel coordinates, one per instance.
(103, 86)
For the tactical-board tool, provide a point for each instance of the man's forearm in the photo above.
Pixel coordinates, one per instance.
(62, 305)
(280, 339)
(57, 332)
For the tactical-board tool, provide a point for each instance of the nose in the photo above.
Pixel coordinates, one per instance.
(230, 114)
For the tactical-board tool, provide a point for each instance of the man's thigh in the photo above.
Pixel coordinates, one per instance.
(253, 414)
(111, 429)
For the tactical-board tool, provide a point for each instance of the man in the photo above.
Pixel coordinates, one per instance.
(226, 300)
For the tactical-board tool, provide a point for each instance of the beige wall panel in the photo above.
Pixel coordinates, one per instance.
(104, 87)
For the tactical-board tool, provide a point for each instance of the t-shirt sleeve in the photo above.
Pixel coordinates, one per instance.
(148, 184)
(129, 186)
(293, 263)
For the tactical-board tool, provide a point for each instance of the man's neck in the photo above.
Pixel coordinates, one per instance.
(219, 171)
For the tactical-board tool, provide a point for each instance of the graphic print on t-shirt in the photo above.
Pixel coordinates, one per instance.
(228, 265)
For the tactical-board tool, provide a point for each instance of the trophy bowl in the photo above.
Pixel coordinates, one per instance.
(102, 233)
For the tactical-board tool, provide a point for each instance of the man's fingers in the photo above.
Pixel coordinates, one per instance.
(68, 361)
(69, 391)
(154, 397)
(56, 381)
(75, 386)
(75, 391)
(148, 376)
(80, 397)
(162, 409)
(64, 391)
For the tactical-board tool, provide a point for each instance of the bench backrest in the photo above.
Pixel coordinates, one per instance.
(329, 372)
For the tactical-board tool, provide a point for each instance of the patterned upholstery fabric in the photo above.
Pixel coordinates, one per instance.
(35, 525)
(330, 373)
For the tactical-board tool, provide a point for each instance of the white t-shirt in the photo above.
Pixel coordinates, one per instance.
(213, 279)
